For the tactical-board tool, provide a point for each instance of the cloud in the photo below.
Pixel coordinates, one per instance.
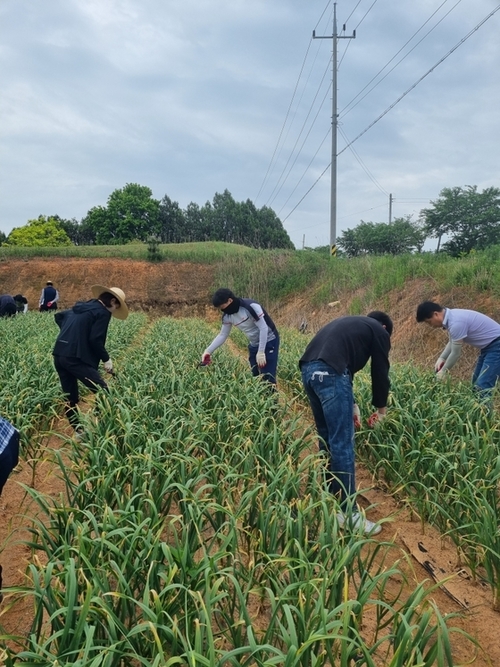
(190, 98)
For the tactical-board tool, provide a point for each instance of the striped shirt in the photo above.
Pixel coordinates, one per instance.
(6, 433)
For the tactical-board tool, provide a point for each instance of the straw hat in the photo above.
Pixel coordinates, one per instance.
(122, 312)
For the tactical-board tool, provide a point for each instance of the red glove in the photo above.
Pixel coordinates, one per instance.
(375, 418)
(49, 303)
(206, 359)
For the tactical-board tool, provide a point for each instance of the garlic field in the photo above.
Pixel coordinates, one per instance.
(196, 530)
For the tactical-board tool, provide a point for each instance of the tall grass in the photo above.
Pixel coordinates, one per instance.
(272, 275)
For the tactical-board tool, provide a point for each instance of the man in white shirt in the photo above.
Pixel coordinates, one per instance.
(258, 327)
(473, 328)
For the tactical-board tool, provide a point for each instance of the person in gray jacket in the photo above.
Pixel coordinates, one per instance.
(473, 328)
(80, 345)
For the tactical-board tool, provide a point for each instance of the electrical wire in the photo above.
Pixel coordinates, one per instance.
(280, 183)
(439, 62)
(429, 71)
(364, 167)
(304, 172)
(290, 106)
(350, 106)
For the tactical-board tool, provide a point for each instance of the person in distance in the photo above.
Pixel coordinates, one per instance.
(48, 298)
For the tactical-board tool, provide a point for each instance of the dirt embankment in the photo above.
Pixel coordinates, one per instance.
(167, 287)
(183, 289)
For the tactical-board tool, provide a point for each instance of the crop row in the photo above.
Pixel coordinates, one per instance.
(196, 530)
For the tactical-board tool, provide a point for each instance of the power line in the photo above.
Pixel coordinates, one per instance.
(280, 184)
(350, 106)
(364, 167)
(464, 39)
(290, 107)
(422, 77)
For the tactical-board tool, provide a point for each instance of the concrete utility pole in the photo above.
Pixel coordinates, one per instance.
(390, 208)
(333, 189)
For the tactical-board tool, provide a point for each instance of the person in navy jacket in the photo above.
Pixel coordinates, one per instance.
(80, 345)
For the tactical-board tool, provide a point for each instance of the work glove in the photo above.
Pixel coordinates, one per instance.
(356, 415)
(439, 364)
(375, 418)
(49, 304)
(261, 359)
(108, 366)
(206, 358)
(441, 375)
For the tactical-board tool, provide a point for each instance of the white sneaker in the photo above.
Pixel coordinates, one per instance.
(358, 523)
(79, 434)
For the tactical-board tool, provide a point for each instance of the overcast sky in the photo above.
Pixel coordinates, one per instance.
(193, 97)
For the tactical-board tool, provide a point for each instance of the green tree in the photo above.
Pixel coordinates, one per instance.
(44, 231)
(397, 238)
(3, 238)
(469, 218)
(131, 214)
(172, 226)
(270, 232)
(195, 229)
(79, 233)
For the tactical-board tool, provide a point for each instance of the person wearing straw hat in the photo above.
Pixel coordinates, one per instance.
(80, 345)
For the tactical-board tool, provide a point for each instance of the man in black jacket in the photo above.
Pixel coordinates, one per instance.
(80, 345)
(338, 351)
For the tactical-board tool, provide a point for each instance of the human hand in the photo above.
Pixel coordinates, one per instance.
(441, 375)
(356, 415)
(261, 359)
(376, 418)
(206, 358)
(439, 364)
(108, 366)
(49, 303)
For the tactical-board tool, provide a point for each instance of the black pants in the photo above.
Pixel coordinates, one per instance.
(9, 459)
(70, 370)
(44, 308)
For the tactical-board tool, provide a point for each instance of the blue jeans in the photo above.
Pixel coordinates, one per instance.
(331, 397)
(487, 371)
(268, 371)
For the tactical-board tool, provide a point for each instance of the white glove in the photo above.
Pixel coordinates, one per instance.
(108, 366)
(261, 359)
(376, 418)
(439, 364)
(356, 415)
(441, 375)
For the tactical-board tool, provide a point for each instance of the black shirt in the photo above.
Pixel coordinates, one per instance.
(347, 343)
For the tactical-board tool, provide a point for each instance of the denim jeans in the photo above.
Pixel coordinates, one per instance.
(487, 371)
(268, 372)
(331, 397)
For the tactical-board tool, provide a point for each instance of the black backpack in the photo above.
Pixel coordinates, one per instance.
(247, 303)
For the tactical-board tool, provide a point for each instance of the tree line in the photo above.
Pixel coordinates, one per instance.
(133, 214)
(468, 219)
(464, 217)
